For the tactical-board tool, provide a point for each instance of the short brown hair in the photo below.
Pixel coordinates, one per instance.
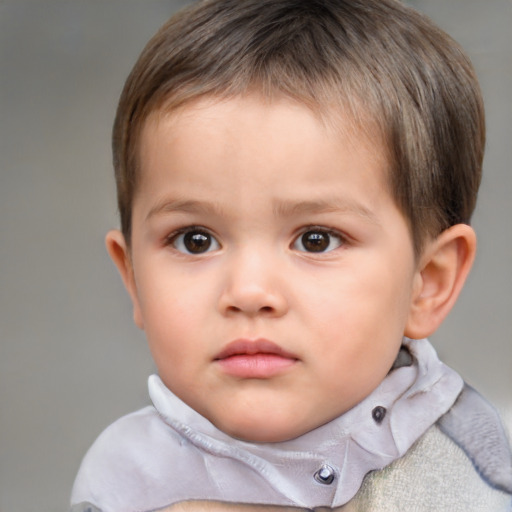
(379, 59)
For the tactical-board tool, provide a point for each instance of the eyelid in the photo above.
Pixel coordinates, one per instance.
(343, 239)
(170, 239)
(324, 229)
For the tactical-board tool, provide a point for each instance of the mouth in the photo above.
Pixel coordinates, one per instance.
(254, 359)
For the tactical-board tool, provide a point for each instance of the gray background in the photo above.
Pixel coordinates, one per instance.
(70, 360)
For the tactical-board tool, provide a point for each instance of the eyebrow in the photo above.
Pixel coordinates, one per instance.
(184, 205)
(282, 208)
(328, 205)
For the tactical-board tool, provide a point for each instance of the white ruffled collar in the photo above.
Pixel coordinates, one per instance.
(412, 399)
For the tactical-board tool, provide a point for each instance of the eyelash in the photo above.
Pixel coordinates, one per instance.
(326, 232)
(179, 244)
(204, 240)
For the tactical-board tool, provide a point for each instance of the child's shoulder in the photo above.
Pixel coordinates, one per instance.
(465, 457)
(474, 425)
(119, 461)
(126, 437)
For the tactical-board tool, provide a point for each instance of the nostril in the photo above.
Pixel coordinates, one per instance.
(252, 300)
(263, 309)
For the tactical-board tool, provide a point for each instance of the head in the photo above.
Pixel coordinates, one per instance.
(385, 66)
(295, 182)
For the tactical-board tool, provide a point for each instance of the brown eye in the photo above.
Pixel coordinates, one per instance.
(317, 240)
(195, 242)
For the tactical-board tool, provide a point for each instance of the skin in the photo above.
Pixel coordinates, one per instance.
(250, 177)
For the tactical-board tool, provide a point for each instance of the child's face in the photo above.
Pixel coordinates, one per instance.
(273, 273)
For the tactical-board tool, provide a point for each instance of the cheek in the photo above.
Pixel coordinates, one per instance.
(357, 296)
(172, 308)
(361, 312)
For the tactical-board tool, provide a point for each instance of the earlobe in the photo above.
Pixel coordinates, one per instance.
(442, 271)
(119, 252)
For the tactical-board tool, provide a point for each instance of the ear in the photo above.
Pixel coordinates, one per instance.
(120, 254)
(442, 271)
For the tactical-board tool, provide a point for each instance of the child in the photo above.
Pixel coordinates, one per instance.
(295, 182)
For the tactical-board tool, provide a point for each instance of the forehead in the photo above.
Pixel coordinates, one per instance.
(237, 158)
(351, 125)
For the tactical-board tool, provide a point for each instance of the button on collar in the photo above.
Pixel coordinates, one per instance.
(325, 475)
(378, 414)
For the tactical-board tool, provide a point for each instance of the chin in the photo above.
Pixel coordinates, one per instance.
(262, 436)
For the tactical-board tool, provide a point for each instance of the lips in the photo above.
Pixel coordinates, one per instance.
(257, 359)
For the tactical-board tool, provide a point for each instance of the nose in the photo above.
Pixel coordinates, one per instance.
(252, 287)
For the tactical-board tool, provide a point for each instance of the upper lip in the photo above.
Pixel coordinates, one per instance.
(252, 347)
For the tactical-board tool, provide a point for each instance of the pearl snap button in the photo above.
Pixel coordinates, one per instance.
(325, 475)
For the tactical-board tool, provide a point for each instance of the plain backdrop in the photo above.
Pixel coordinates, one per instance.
(70, 360)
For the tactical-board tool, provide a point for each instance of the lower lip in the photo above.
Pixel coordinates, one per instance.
(255, 366)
